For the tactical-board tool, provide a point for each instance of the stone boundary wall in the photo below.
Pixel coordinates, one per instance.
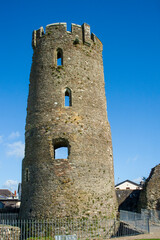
(150, 196)
(9, 232)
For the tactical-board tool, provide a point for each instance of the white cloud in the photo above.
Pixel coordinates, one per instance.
(132, 159)
(12, 185)
(138, 180)
(14, 135)
(1, 139)
(16, 149)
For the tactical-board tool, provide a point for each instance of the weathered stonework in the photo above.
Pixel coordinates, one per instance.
(83, 184)
(150, 196)
(9, 232)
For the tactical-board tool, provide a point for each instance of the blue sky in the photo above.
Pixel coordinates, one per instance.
(130, 33)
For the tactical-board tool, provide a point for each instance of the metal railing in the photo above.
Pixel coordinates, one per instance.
(8, 216)
(152, 214)
(135, 220)
(66, 229)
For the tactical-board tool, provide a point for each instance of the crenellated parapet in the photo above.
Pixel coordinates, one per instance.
(80, 33)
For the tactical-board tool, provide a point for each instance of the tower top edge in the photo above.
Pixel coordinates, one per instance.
(55, 24)
(80, 31)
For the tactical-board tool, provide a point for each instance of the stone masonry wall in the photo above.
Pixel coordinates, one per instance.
(150, 196)
(9, 232)
(83, 184)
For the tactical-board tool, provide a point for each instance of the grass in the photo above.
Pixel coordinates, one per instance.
(40, 238)
(52, 238)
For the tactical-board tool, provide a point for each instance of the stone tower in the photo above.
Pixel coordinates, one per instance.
(67, 108)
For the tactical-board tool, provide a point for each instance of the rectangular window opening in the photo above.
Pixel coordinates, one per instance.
(61, 153)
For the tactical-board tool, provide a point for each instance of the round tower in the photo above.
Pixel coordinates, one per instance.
(67, 110)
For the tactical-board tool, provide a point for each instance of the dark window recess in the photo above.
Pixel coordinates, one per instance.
(27, 175)
(68, 98)
(31, 133)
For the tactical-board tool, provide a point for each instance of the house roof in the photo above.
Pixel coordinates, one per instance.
(5, 193)
(129, 182)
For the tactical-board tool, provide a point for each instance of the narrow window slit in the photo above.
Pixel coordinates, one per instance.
(68, 98)
(27, 175)
(59, 57)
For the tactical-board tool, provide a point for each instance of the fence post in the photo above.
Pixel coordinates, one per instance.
(148, 228)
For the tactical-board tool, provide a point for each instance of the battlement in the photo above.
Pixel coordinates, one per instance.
(80, 32)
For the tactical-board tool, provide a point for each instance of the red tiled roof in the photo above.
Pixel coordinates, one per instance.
(5, 193)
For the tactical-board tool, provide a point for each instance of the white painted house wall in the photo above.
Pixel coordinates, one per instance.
(127, 185)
